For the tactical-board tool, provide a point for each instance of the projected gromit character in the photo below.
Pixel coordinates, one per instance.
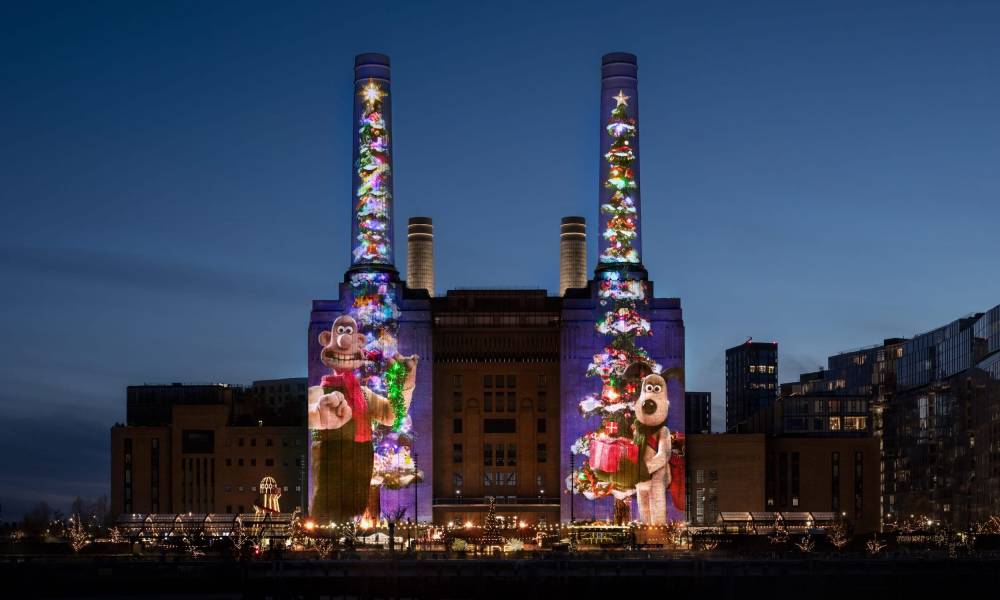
(341, 411)
(651, 410)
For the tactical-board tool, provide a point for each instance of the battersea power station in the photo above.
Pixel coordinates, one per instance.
(442, 407)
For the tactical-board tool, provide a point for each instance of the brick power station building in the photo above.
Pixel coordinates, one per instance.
(500, 377)
(501, 373)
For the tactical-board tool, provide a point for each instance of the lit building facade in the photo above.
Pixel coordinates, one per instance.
(622, 355)
(942, 422)
(823, 415)
(492, 408)
(932, 404)
(847, 398)
(496, 405)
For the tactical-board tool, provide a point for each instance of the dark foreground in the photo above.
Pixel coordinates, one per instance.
(548, 578)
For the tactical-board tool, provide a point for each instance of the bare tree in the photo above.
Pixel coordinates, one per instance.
(838, 534)
(36, 521)
(780, 535)
(115, 535)
(393, 518)
(674, 533)
(243, 539)
(874, 545)
(325, 546)
(77, 534)
(93, 512)
(191, 548)
(297, 532)
(990, 526)
(350, 532)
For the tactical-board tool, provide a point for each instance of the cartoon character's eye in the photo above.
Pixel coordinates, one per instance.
(657, 389)
(348, 330)
(340, 329)
(649, 387)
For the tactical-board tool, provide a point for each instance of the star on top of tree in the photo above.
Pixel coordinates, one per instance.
(621, 98)
(372, 92)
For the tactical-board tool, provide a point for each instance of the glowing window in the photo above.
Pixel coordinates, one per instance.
(855, 423)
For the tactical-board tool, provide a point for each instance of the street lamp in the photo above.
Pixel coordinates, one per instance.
(416, 487)
(572, 495)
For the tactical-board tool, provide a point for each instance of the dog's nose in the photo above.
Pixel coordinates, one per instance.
(649, 407)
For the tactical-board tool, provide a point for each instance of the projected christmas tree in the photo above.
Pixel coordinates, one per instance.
(374, 196)
(611, 454)
(610, 464)
(620, 229)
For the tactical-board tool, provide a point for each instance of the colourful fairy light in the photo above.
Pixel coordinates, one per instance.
(622, 299)
(376, 311)
(620, 230)
(372, 244)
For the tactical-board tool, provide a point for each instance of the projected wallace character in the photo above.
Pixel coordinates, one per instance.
(651, 410)
(341, 411)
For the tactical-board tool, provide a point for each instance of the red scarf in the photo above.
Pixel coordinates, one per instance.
(347, 384)
(653, 441)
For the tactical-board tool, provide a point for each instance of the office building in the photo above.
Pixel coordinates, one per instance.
(206, 448)
(698, 412)
(751, 386)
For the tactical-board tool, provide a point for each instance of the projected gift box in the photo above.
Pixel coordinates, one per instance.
(615, 458)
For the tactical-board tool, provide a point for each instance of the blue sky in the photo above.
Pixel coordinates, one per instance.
(175, 181)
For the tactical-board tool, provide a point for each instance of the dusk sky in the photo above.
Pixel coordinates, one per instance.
(175, 181)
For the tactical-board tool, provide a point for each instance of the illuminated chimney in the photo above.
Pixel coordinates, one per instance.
(572, 253)
(420, 254)
(619, 233)
(371, 186)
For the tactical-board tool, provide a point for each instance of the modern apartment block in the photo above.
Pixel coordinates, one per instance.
(942, 423)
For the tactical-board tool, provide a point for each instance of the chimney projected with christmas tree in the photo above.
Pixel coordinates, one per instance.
(361, 386)
(371, 227)
(626, 452)
(620, 245)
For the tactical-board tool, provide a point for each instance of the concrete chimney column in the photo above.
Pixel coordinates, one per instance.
(420, 254)
(572, 253)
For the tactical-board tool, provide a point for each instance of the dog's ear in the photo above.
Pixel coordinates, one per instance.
(673, 373)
